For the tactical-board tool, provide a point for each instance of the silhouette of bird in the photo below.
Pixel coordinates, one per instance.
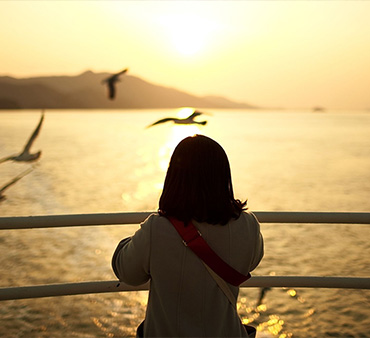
(13, 181)
(187, 120)
(262, 295)
(111, 82)
(25, 155)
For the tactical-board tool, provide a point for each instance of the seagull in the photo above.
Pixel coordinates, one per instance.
(262, 294)
(187, 120)
(25, 155)
(111, 81)
(13, 181)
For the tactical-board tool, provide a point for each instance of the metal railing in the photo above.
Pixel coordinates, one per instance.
(55, 221)
(52, 290)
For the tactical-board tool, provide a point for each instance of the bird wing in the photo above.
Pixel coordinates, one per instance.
(15, 179)
(33, 136)
(112, 89)
(194, 115)
(6, 158)
(202, 113)
(121, 72)
(114, 77)
(163, 121)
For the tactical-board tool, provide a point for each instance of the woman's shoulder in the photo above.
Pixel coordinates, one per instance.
(249, 218)
(151, 222)
(247, 214)
(153, 218)
(250, 215)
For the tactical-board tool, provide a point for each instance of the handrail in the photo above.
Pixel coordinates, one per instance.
(53, 221)
(68, 289)
(50, 221)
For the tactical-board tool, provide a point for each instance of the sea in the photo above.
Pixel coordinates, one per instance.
(96, 161)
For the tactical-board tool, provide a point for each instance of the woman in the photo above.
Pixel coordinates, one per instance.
(184, 299)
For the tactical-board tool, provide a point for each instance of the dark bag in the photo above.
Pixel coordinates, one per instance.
(250, 330)
(140, 330)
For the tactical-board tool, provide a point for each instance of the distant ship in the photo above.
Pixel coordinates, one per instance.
(318, 109)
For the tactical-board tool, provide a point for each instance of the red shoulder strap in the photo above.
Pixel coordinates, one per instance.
(193, 239)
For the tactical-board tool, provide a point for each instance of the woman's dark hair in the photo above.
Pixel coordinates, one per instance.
(198, 183)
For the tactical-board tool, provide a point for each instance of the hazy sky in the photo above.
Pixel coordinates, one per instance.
(294, 54)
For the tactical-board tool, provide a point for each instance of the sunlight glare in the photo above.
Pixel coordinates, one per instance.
(189, 34)
(184, 112)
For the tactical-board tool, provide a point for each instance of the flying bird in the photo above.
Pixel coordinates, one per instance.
(262, 295)
(13, 181)
(111, 82)
(187, 120)
(25, 155)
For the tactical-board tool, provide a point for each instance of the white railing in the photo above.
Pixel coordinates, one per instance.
(68, 289)
(55, 221)
(52, 290)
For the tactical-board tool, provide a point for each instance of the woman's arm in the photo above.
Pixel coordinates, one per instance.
(131, 259)
(259, 245)
(116, 252)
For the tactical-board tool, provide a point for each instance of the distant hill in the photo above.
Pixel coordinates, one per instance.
(86, 91)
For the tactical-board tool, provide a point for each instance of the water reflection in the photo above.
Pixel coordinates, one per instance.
(151, 167)
(311, 147)
(258, 314)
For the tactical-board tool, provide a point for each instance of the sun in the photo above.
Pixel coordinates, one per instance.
(187, 44)
(188, 33)
(187, 36)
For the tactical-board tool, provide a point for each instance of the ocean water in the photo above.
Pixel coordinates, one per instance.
(108, 161)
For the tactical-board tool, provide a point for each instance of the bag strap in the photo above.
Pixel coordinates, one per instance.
(193, 239)
(251, 331)
(223, 286)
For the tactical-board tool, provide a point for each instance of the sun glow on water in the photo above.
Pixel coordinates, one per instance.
(177, 134)
(184, 112)
(325, 155)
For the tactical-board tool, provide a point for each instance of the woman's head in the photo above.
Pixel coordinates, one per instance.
(198, 183)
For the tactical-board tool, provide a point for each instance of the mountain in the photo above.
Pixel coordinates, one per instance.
(87, 91)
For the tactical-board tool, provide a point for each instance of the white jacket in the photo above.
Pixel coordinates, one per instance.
(184, 300)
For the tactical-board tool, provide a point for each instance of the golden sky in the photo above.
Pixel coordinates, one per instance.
(293, 54)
